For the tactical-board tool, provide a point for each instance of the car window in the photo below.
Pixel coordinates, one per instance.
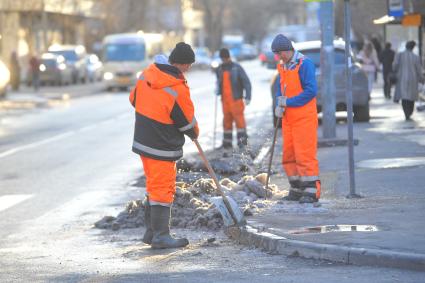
(124, 52)
(49, 62)
(314, 55)
(70, 55)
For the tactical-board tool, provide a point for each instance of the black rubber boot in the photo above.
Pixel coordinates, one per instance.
(293, 195)
(242, 138)
(308, 199)
(310, 191)
(147, 237)
(160, 222)
(295, 191)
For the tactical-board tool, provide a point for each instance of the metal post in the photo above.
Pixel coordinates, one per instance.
(349, 97)
(327, 88)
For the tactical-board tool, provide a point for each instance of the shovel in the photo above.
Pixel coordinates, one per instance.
(272, 149)
(229, 209)
(215, 120)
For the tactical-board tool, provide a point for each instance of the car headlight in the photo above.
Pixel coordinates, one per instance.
(108, 76)
(62, 66)
(42, 68)
(215, 64)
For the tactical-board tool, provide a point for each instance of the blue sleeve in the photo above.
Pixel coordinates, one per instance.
(307, 73)
(276, 86)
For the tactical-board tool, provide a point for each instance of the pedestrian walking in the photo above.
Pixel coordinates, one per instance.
(35, 72)
(164, 114)
(298, 111)
(387, 59)
(377, 48)
(370, 63)
(234, 87)
(15, 71)
(408, 68)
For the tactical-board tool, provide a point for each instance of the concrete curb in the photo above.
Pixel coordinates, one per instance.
(357, 256)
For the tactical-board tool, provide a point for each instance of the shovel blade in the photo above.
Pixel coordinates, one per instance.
(224, 211)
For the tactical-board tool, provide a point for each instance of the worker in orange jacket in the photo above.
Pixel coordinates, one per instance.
(297, 108)
(164, 114)
(231, 83)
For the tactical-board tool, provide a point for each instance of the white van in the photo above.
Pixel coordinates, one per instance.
(124, 56)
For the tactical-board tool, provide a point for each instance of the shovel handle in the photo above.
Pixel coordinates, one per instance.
(210, 170)
(272, 148)
(215, 179)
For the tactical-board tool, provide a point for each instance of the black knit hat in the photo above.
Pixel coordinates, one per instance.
(182, 54)
(224, 53)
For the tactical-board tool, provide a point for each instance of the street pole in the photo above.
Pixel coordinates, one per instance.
(327, 88)
(349, 97)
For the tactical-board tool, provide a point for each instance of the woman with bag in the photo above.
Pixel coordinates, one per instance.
(369, 62)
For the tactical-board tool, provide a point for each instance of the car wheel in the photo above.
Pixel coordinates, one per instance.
(361, 113)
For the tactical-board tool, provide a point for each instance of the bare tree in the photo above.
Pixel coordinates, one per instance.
(214, 12)
(253, 17)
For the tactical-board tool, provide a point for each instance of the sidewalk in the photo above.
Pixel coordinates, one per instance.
(392, 207)
(26, 97)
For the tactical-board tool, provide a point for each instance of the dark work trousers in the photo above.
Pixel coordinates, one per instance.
(408, 107)
(387, 84)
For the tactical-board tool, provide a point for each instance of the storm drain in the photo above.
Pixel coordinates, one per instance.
(335, 228)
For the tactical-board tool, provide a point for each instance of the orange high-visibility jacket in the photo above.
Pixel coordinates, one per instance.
(164, 113)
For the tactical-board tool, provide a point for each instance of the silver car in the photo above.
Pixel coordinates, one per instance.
(75, 60)
(54, 71)
(361, 95)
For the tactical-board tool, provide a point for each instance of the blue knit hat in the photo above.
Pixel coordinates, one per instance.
(281, 43)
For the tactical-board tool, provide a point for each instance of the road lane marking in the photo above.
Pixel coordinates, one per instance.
(36, 144)
(8, 201)
(61, 136)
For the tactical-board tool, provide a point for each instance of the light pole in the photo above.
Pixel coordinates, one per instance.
(349, 97)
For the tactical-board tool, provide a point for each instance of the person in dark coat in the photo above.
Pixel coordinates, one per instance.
(409, 74)
(15, 71)
(35, 71)
(387, 59)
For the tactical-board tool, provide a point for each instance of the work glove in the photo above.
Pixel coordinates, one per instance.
(278, 111)
(281, 101)
(247, 102)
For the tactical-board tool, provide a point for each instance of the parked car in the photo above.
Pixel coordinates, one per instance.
(4, 79)
(269, 59)
(93, 68)
(75, 60)
(361, 94)
(53, 70)
(202, 58)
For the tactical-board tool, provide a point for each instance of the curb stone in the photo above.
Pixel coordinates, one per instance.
(349, 255)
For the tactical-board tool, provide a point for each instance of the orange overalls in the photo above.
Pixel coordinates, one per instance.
(233, 111)
(299, 132)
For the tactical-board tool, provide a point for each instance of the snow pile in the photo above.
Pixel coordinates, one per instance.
(192, 208)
